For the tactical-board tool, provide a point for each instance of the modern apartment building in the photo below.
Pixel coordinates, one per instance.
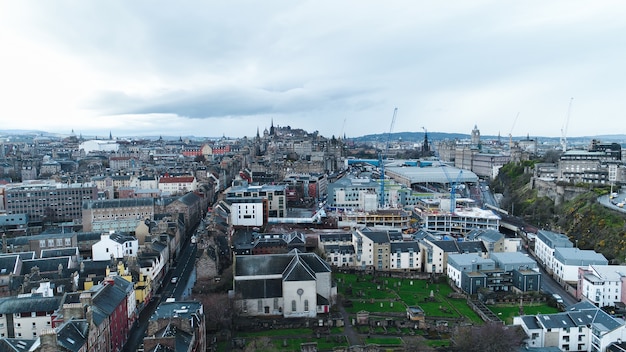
(274, 194)
(116, 214)
(46, 200)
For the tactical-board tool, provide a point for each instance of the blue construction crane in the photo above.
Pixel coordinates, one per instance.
(381, 160)
(453, 186)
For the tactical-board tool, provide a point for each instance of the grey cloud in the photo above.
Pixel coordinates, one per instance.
(232, 102)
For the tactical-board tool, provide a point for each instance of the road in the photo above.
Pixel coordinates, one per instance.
(186, 262)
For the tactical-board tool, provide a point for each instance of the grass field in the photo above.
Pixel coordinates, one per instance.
(377, 295)
(507, 312)
(394, 295)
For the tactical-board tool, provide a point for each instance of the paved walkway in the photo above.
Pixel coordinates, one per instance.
(353, 337)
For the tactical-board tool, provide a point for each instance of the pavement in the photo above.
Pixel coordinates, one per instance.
(353, 337)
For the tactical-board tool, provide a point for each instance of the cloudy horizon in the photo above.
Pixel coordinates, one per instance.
(208, 68)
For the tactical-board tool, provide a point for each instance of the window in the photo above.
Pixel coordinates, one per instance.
(50, 243)
(68, 241)
(42, 243)
(293, 305)
(306, 305)
(260, 305)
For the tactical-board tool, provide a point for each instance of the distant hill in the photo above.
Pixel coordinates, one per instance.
(438, 136)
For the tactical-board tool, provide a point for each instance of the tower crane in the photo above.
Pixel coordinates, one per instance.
(564, 128)
(453, 186)
(381, 160)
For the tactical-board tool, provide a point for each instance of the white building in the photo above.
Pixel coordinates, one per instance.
(114, 245)
(26, 317)
(545, 244)
(602, 285)
(583, 327)
(247, 212)
(466, 262)
(338, 248)
(568, 260)
(292, 285)
(99, 145)
(171, 185)
(405, 256)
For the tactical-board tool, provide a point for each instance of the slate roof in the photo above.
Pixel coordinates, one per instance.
(12, 305)
(298, 271)
(97, 267)
(8, 264)
(404, 246)
(471, 247)
(106, 300)
(45, 264)
(72, 335)
(59, 252)
(121, 238)
(489, 235)
(16, 345)
(580, 314)
(255, 289)
(277, 264)
(379, 237)
(446, 246)
(189, 198)
(22, 255)
(335, 237)
(118, 203)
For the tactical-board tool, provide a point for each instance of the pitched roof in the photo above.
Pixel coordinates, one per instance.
(298, 271)
(8, 264)
(277, 264)
(12, 305)
(261, 288)
(72, 335)
(16, 345)
(177, 179)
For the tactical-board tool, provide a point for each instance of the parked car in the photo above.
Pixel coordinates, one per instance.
(174, 280)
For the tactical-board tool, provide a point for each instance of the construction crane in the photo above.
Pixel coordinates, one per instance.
(564, 128)
(381, 160)
(453, 186)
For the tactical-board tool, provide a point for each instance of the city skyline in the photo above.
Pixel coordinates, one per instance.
(213, 69)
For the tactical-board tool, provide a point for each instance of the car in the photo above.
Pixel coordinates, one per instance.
(557, 298)
(174, 280)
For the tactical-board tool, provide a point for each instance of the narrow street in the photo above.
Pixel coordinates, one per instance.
(168, 289)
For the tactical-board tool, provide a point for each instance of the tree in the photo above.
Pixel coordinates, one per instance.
(218, 310)
(490, 337)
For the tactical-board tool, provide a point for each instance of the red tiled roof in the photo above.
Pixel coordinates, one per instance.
(181, 179)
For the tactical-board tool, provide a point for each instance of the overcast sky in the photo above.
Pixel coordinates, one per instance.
(213, 68)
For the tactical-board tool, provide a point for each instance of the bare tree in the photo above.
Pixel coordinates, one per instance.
(490, 337)
(217, 310)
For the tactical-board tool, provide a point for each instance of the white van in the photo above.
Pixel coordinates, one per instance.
(557, 298)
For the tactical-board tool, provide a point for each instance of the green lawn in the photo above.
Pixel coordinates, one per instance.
(376, 306)
(368, 294)
(385, 295)
(384, 341)
(507, 312)
(276, 332)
